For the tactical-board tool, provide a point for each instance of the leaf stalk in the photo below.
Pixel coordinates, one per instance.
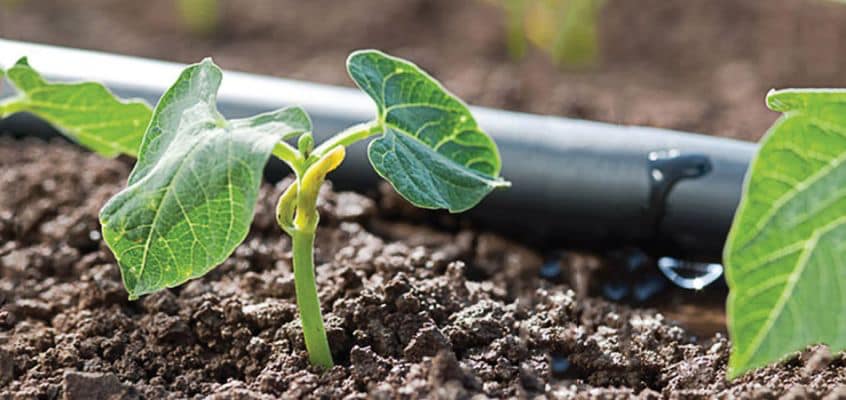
(291, 156)
(348, 137)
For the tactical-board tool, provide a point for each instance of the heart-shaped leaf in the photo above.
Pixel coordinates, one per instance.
(190, 198)
(786, 252)
(432, 150)
(85, 112)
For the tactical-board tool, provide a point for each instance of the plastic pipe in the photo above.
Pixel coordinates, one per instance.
(575, 183)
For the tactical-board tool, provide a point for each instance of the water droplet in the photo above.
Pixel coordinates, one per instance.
(94, 235)
(615, 291)
(689, 274)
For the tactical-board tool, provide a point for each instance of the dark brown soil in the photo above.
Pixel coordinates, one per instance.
(411, 312)
(699, 65)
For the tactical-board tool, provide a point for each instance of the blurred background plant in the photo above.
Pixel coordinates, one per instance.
(564, 29)
(694, 65)
(10, 3)
(201, 17)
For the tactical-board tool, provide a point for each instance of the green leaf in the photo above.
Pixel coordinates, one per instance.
(86, 112)
(786, 252)
(190, 198)
(432, 150)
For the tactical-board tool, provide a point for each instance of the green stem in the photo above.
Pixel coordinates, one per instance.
(301, 198)
(307, 301)
(290, 155)
(10, 107)
(347, 137)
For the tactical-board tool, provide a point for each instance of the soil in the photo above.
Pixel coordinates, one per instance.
(411, 312)
(698, 65)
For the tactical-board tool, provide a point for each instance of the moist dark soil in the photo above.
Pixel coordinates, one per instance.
(698, 65)
(411, 312)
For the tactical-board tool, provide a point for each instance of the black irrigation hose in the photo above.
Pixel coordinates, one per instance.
(575, 183)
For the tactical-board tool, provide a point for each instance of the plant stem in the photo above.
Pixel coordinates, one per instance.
(10, 107)
(290, 155)
(307, 301)
(347, 137)
(301, 198)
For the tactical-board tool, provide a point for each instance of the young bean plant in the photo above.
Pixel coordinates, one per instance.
(190, 197)
(786, 253)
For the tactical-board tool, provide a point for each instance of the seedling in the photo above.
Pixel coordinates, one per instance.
(190, 198)
(787, 246)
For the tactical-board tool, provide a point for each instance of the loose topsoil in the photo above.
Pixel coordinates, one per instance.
(698, 65)
(411, 312)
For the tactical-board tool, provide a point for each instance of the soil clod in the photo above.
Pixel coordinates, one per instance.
(95, 386)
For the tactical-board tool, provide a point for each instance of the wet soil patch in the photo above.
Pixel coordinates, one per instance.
(412, 312)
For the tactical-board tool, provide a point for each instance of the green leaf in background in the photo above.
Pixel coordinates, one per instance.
(577, 41)
(786, 253)
(201, 17)
(432, 150)
(84, 112)
(190, 198)
(568, 30)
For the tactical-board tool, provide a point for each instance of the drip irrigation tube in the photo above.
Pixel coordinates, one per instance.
(575, 183)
